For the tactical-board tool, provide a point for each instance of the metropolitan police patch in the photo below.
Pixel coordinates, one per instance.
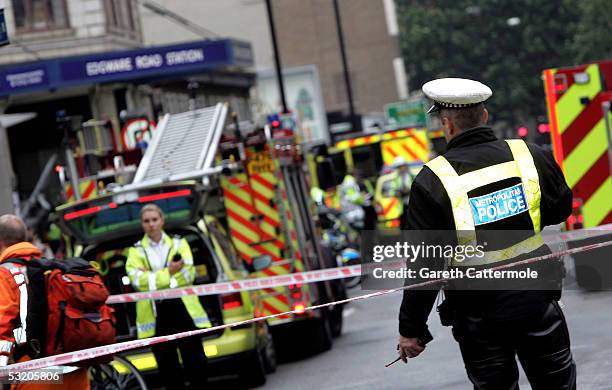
(498, 205)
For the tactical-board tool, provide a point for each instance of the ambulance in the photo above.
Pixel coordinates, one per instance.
(373, 155)
(242, 197)
(579, 100)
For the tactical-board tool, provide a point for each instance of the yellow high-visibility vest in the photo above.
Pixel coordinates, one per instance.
(458, 186)
(144, 279)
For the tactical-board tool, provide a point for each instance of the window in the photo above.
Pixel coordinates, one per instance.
(40, 15)
(120, 14)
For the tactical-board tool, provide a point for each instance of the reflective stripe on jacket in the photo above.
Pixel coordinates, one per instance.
(13, 312)
(458, 186)
(14, 295)
(143, 278)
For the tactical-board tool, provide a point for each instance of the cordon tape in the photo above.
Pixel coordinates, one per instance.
(226, 287)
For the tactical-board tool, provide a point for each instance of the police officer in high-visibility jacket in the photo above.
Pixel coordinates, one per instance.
(479, 186)
(157, 262)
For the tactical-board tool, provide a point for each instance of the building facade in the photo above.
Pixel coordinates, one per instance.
(87, 59)
(42, 29)
(307, 34)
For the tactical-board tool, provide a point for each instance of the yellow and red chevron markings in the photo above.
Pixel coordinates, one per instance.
(370, 139)
(390, 212)
(578, 132)
(413, 146)
(257, 228)
(87, 189)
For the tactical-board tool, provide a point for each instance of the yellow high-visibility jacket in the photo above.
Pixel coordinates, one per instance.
(143, 278)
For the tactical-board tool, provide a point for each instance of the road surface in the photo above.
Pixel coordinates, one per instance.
(358, 357)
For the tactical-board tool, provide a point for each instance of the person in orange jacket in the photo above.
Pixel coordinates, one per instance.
(13, 244)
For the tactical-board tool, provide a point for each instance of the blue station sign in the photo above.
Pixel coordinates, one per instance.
(152, 62)
(4, 38)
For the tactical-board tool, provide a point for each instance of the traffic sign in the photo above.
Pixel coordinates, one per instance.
(4, 40)
(410, 113)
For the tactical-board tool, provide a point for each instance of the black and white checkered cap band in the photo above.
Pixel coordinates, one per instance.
(437, 106)
(455, 105)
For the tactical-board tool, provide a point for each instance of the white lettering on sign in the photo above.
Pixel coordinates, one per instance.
(498, 205)
(109, 66)
(184, 56)
(25, 79)
(149, 61)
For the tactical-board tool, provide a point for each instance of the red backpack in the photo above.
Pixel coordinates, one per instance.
(67, 309)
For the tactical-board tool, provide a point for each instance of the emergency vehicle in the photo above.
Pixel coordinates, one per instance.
(251, 189)
(579, 100)
(373, 155)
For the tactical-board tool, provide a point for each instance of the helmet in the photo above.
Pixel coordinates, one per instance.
(317, 195)
(399, 161)
(350, 255)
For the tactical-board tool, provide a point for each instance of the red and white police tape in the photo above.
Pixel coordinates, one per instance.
(308, 276)
(240, 285)
(579, 234)
(77, 356)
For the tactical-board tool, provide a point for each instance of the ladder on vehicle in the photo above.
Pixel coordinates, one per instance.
(182, 143)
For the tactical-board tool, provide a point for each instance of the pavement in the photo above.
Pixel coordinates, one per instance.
(357, 359)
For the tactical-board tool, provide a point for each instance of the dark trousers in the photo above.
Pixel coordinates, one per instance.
(541, 343)
(172, 317)
(370, 217)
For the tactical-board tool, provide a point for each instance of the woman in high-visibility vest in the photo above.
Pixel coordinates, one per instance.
(157, 262)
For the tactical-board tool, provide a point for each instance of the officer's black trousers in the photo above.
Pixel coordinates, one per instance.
(541, 343)
(172, 317)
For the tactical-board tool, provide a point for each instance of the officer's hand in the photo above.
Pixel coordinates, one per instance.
(409, 348)
(175, 266)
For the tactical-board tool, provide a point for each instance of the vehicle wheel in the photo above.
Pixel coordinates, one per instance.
(335, 314)
(352, 282)
(322, 334)
(336, 320)
(106, 376)
(254, 373)
(268, 353)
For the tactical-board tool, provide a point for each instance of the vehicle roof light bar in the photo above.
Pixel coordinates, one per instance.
(167, 195)
(81, 213)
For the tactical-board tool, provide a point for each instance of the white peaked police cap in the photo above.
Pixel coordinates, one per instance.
(455, 93)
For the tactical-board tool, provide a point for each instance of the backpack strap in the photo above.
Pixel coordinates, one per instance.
(73, 265)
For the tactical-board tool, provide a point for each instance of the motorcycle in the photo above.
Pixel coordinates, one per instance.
(341, 236)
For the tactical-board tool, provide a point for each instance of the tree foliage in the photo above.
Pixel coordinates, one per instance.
(504, 43)
(593, 39)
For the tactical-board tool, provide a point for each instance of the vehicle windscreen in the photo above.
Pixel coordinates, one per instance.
(367, 159)
(102, 219)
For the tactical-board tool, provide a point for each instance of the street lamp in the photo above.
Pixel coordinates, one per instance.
(513, 21)
(345, 71)
(277, 61)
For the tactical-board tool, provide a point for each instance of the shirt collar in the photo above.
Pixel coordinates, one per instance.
(473, 136)
(162, 240)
